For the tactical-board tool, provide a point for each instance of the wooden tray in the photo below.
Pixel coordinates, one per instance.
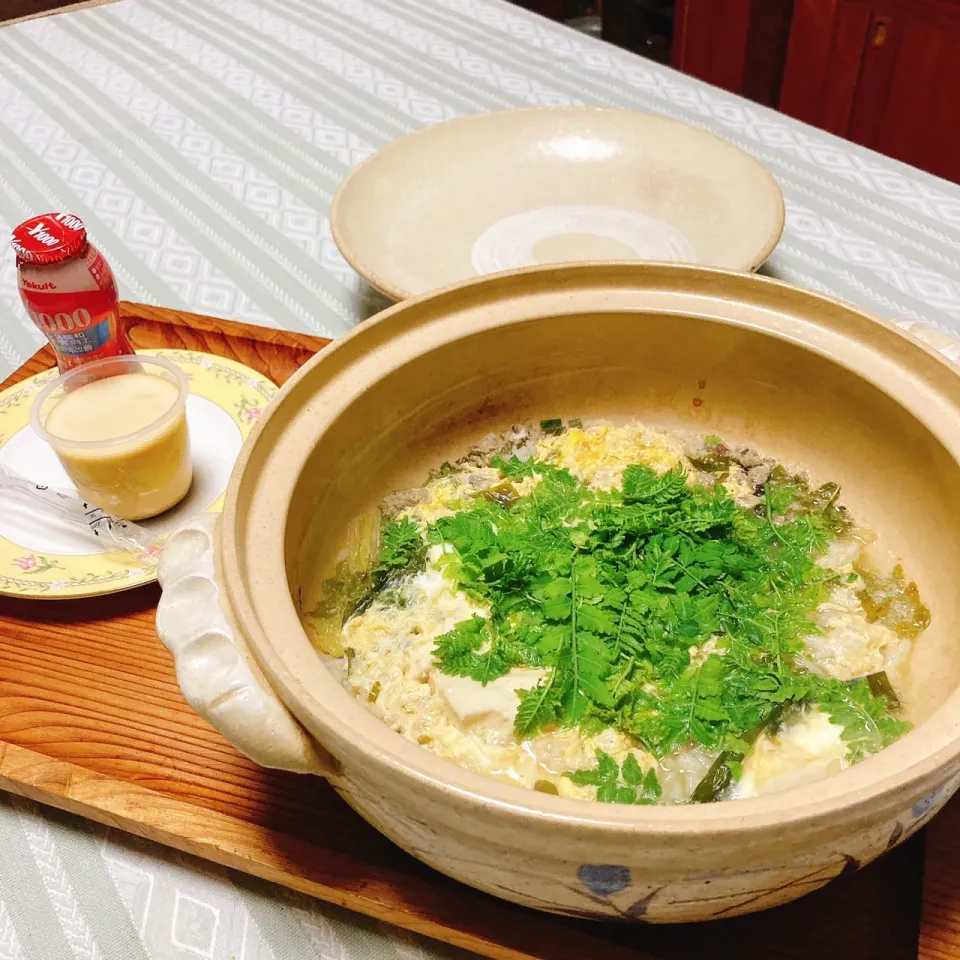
(92, 721)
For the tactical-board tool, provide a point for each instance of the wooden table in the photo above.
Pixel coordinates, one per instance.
(92, 721)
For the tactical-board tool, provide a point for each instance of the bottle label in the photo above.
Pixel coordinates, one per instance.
(75, 305)
(89, 341)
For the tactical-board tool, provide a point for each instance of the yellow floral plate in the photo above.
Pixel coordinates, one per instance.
(43, 557)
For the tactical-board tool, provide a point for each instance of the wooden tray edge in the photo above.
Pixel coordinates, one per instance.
(221, 839)
(44, 358)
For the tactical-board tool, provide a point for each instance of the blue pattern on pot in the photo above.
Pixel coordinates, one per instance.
(927, 803)
(924, 809)
(604, 879)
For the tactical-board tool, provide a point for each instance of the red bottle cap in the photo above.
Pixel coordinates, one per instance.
(50, 238)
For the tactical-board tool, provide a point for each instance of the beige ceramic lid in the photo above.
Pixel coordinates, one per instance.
(518, 188)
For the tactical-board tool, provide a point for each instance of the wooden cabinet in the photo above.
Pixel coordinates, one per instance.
(739, 45)
(883, 73)
(710, 40)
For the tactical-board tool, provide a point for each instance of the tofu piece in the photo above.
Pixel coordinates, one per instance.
(492, 707)
(808, 749)
(850, 645)
(841, 555)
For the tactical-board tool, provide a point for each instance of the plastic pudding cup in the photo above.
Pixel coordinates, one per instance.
(119, 427)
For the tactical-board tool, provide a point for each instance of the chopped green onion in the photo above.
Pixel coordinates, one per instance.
(880, 686)
(720, 774)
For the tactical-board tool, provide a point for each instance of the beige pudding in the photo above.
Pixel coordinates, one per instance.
(122, 437)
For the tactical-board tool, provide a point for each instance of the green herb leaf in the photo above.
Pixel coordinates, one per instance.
(472, 649)
(402, 550)
(538, 710)
(867, 727)
(629, 785)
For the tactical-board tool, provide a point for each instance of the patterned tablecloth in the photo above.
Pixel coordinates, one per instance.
(202, 141)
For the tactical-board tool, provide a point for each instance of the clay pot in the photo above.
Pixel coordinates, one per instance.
(804, 378)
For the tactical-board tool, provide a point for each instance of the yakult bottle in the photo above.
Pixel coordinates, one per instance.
(68, 289)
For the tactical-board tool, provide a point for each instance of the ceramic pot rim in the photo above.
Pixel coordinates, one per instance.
(914, 765)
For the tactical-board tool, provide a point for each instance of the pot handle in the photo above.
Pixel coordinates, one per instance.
(946, 344)
(216, 671)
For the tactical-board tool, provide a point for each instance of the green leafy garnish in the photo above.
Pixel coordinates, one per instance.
(610, 592)
(402, 550)
(614, 784)
(867, 727)
(473, 650)
(662, 609)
